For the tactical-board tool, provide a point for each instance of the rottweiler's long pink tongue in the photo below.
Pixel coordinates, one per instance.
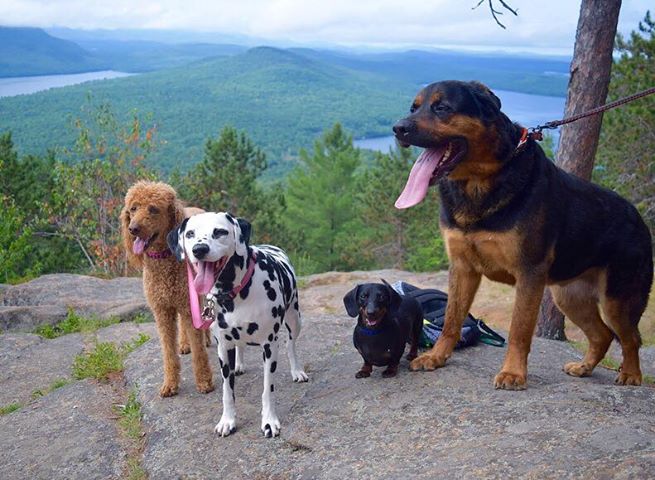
(204, 280)
(419, 178)
(138, 246)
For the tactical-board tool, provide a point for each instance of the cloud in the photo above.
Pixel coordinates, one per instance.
(548, 25)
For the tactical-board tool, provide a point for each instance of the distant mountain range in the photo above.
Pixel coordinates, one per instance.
(283, 98)
(31, 51)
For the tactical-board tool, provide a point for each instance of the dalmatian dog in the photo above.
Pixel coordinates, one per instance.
(254, 296)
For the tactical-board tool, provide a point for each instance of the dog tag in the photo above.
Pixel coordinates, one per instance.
(208, 313)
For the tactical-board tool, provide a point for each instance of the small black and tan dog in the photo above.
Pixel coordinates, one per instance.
(386, 322)
(510, 214)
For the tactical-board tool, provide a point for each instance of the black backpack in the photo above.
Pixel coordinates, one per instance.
(433, 302)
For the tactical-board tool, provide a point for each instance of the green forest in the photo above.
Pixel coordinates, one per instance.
(333, 211)
(283, 98)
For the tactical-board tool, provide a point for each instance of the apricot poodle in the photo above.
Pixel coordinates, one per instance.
(151, 210)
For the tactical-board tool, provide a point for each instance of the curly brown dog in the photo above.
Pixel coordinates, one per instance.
(151, 210)
(510, 214)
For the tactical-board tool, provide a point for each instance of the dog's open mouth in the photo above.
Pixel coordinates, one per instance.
(430, 166)
(372, 321)
(206, 273)
(139, 246)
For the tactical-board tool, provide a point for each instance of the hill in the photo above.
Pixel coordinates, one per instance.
(31, 51)
(282, 98)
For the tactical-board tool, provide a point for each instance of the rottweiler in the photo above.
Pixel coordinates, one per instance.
(510, 214)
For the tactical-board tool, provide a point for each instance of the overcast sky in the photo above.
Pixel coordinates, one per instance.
(544, 26)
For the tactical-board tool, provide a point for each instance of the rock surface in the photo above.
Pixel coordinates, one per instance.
(31, 363)
(449, 423)
(66, 434)
(46, 300)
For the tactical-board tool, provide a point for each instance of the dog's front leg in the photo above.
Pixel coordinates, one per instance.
(226, 357)
(270, 422)
(463, 283)
(529, 290)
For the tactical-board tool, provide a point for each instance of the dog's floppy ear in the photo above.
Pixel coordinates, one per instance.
(487, 100)
(175, 240)
(242, 229)
(128, 241)
(394, 297)
(350, 302)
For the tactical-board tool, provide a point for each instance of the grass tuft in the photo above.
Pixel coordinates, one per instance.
(105, 358)
(74, 323)
(60, 382)
(130, 417)
(12, 407)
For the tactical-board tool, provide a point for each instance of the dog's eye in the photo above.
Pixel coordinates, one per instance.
(219, 232)
(363, 296)
(413, 108)
(440, 108)
(153, 210)
(190, 234)
(133, 208)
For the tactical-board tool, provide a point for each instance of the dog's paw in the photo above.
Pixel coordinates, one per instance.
(299, 376)
(168, 390)
(205, 386)
(624, 378)
(577, 369)
(270, 426)
(184, 348)
(225, 426)
(427, 362)
(411, 356)
(510, 381)
(239, 369)
(390, 372)
(363, 374)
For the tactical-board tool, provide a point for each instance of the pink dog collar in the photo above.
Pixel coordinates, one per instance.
(200, 321)
(160, 255)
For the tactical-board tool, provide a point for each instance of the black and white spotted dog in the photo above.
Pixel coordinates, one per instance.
(249, 311)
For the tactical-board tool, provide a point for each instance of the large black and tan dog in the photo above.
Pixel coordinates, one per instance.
(510, 214)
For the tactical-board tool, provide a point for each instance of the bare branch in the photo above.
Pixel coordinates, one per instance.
(495, 13)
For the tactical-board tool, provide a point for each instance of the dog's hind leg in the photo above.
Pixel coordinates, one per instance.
(239, 369)
(617, 314)
(579, 303)
(184, 346)
(201, 369)
(270, 422)
(293, 323)
(226, 358)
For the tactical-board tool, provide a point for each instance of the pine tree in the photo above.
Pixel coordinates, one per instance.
(398, 238)
(320, 200)
(227, 180)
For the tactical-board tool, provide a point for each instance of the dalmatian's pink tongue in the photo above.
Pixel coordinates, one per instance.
(138, 246)
(205, 278)
(426, 165)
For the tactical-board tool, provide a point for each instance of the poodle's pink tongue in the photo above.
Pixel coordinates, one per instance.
(419, 178)
(204, 280)
(138, 246)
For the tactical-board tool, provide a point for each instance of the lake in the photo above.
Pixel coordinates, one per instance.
(12, 86)
(528, 110)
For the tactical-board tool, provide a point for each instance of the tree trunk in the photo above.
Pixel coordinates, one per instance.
(588, 85)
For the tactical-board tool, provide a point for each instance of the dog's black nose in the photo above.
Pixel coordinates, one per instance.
(134, 230)
(403, 127)
(200, 250)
